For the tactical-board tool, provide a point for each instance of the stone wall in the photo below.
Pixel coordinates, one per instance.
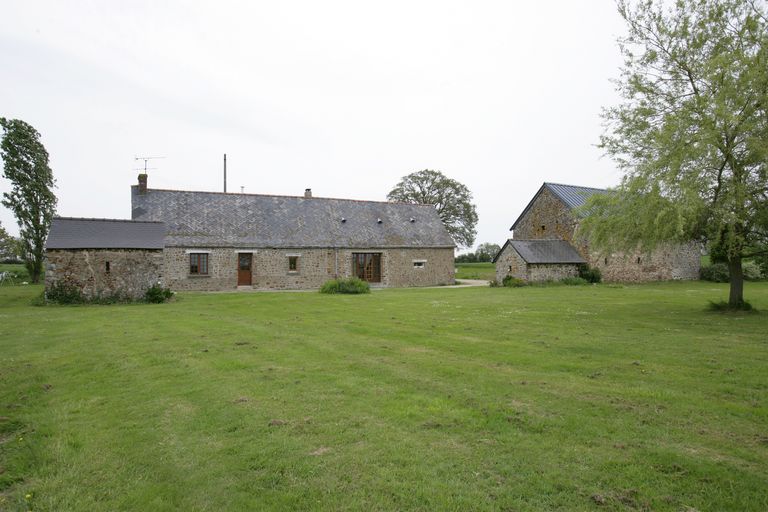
(551, 271)
(549, 218)
(667, 262)
(510, 263)
(315, 266)
(131, 271)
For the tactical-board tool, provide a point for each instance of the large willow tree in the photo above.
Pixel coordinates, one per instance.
(691, 134)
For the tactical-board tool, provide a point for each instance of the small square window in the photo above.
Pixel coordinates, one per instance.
(198, 264)
(293, 263)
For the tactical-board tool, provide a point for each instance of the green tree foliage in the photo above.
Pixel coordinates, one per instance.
(691, 135)
(452, 199)
(486, 252)
(9, 246)
(25, 164)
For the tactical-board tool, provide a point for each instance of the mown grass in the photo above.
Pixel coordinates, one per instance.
(551, 398)
(485, 271)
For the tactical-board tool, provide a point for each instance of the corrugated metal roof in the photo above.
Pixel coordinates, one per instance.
(572, 196)
(546, 251)
(215, 219)
(80, 233)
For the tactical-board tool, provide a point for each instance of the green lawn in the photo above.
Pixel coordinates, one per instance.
(539, 398)
(485, 271)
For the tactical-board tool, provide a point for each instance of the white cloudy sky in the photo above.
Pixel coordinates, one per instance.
(342, 97)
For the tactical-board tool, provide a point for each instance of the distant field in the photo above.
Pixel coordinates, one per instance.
(476, 271)
(540, 398)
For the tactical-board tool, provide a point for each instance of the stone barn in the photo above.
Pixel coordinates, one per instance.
(553, 214)
(538, 260)
(104, 257)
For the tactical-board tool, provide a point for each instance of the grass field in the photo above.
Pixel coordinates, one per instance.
(541, 398)
(485, 271)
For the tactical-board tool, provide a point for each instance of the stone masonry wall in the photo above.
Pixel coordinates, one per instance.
(510, 263)
(131, 272)
(667, 262)
(551, 271)
(548, 219)
(315, 267)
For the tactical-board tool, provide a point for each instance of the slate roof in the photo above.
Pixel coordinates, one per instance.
(215, 219)
(78, 233)
(572, 196)
(544, 251)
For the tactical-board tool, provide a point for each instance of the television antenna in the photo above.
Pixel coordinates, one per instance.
(146, 160)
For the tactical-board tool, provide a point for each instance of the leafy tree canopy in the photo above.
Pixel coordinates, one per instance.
(452, 200)
(691, 134)
(25, 165)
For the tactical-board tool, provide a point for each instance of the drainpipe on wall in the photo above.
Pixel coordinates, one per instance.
(336, 264)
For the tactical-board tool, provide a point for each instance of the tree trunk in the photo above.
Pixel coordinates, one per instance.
(736, 297)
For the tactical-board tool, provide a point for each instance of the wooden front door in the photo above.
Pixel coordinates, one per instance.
(367, 266)
(244, 262)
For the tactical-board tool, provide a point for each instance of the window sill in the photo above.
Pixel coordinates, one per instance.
(293, 272)
(195, 276)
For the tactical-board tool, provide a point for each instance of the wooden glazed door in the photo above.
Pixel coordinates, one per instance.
(367, 266)
(244, 263)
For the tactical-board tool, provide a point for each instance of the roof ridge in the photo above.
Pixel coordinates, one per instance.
(109, 220)
(283, 196)
(574, 186)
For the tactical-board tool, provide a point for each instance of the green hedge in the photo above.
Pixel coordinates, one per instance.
(350, 285)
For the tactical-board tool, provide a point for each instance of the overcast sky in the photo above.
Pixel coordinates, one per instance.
(342, 97)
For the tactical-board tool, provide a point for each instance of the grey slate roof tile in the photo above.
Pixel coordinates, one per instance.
(544, 251)
(572, 196)
(81, 233)
(215, 219)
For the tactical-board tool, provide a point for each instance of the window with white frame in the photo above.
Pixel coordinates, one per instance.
(419, 263)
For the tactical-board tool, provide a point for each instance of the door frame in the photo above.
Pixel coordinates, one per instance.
(249, 270)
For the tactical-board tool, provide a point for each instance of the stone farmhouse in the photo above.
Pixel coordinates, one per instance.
(222, 241)
(545, 246)
(104, 257)
(212, 241)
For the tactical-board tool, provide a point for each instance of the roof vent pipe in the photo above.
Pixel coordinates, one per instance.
(378, 221)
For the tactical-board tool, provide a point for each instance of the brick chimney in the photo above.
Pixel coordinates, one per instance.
(142, 183)
(307, 192)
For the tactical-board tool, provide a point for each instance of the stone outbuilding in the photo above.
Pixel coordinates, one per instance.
(225, 241)
(537, 260)
(554, 214)
(104, 257)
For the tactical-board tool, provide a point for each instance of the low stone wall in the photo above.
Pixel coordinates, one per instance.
(667, 262)
(551, 271)
(314, 267)
(103, 273)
